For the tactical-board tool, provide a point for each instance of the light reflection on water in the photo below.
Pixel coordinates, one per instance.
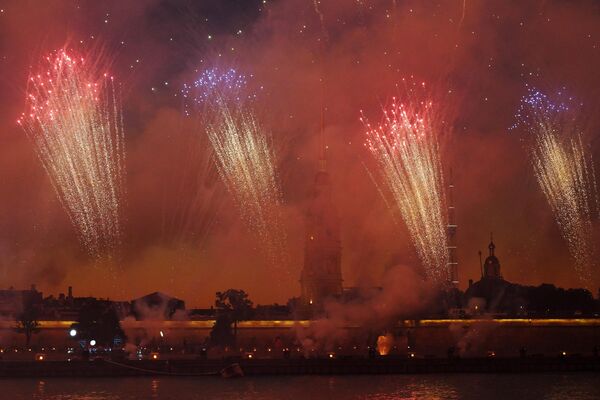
(155, 385)
(425, 387)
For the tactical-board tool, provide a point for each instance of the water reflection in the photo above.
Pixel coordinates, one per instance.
(417, 387)
(40, 388)
(411, 388)
(154, 389)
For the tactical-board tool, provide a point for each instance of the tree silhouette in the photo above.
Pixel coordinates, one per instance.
(100, 322)
(221, 334)
(235, 304)
(27, 321)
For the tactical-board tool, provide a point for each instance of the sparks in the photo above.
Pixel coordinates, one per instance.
(243, 154)
(405, 147)
(564, 170)
(210, 83)
(75, 123)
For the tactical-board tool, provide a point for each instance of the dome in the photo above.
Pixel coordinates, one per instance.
(491, 267)
(492, 260)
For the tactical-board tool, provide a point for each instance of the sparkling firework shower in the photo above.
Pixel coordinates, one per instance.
(243, 154)
(564, 171)
(74, 121)
(406, 149)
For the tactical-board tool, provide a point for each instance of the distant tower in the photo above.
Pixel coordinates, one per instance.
(321, 276)
(452, 260)
(491, 267)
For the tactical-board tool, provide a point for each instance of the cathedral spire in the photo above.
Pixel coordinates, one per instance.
(322, 146)
(492, 246)
(321, 276)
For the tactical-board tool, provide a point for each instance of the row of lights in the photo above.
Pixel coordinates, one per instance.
(155, 356)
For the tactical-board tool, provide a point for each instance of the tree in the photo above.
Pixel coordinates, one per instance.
(235, 304)
(100, 322)
(221, 334)
(27, 321)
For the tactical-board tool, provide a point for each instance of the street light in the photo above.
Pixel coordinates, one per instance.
(92, 342)
(73, 332)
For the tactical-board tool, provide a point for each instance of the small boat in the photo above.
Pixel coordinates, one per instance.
(232, 371)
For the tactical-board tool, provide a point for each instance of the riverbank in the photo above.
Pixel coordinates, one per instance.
(470, 338)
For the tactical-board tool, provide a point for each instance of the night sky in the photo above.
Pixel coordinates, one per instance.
(478, 54)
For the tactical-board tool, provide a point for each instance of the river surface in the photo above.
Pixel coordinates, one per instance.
(456, 386)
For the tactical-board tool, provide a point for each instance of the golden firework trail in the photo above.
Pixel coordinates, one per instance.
(564, 170)
(243, 154)
(74, 121)
(246, 163)
(405, 147)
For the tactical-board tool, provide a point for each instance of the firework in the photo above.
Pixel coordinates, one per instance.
(405, 147)
(75, 124)
(321, 16)
(243, 154)
(212, 84)
(564, 171)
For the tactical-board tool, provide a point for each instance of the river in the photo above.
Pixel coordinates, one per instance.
(454, 386)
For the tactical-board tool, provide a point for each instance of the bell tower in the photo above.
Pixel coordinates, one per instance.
(491, 267)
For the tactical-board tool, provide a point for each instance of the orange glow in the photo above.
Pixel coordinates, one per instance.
(384, 344)
(208, 324)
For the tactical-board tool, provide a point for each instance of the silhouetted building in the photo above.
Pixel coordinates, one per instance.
(68, 307)
(491, 267)
(202, 314)
(490, 292)
(271, 312)
(321, 276)
(156, 305)
(13, 301)
(493, 294)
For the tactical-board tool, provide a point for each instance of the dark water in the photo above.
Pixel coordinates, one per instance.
(472, 386)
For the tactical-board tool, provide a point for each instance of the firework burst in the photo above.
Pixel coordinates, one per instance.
(405, 147)
(564, 170)
(243, 153)
(74, 121)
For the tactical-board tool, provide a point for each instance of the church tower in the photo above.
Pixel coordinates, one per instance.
(321, 276)
(491, 267)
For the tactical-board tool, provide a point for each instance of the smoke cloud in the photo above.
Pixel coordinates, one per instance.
(404, 295)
